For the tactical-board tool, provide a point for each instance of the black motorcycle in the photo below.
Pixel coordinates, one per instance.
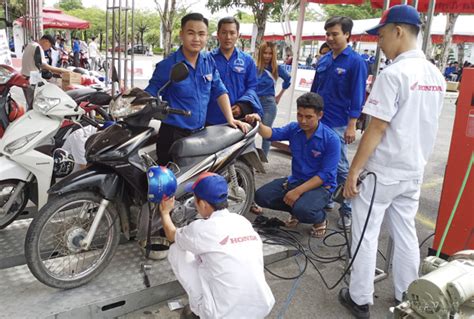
(77, 232)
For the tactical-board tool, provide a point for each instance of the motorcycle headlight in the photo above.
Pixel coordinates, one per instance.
(19, 143)
(45, 104)
(122, 107)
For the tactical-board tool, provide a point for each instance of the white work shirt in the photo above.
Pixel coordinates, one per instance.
(409, 95)
(28, 59)
(230, 257)
(93, 50)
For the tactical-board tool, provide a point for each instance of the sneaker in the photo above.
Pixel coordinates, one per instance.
(330, 206)
(360, 312)
(347, 222)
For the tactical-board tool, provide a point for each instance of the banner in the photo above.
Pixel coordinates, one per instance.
(304, 79)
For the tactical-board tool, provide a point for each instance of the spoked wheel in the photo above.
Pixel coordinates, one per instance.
(7, 188)
(53, 247)
(241, 198)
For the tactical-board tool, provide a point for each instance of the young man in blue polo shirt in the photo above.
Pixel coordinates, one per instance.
(315, 150)
(238, 72)
(340, 80)
(194, 92)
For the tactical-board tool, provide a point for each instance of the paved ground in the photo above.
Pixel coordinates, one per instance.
(307, 297)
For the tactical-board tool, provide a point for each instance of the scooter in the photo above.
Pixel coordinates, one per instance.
(26, 161)
(77, 232)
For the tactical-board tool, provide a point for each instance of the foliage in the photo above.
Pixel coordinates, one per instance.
(68, 5)
(16, 9)
(355, 12)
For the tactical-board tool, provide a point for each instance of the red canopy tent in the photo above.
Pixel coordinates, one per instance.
(56, 19)
(441, 6)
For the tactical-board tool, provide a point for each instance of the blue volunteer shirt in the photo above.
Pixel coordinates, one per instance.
(239, 75)
(76, 47)
(341, 84)
(316, 156)
(266, 82)
(191, 94)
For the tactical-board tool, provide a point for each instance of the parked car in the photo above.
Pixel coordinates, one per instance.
(138, 49)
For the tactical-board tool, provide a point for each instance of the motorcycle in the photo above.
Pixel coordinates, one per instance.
(26, 148)
(10, 109)
(77, 232)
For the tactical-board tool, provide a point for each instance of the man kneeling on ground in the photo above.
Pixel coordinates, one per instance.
(218, 259)
(315, 153)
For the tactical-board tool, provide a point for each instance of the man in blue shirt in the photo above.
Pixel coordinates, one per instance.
(194, 92)
(76, 49)
(315, 150)
(340, 79)
(238, 72)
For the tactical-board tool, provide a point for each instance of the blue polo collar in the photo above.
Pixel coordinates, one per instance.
(318, 133)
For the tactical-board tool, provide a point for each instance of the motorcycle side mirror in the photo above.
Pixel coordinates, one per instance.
(179, 72)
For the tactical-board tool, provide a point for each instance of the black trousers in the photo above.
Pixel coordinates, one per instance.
(167, 135)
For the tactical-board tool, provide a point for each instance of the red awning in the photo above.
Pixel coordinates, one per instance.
(56, 19)
(328, 1)
(442, 6)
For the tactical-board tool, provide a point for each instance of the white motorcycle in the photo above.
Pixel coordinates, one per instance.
(26, 162)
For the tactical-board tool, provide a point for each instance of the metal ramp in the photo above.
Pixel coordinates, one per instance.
(117, 291)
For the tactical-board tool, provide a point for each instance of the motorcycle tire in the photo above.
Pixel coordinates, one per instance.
(246, 180)
(87, 66)
(69, 231)
(17, 207)
(64, 65)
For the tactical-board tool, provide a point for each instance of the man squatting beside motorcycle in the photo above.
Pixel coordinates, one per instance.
(315, 150)
(238, 72)
(217, 259)
(193, 93)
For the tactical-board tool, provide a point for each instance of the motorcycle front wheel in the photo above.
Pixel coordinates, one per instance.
(52, 247)
(7, 188)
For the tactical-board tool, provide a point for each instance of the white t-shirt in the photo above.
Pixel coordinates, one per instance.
(75, 143)
(231, 266)
(93, 51)
(28, 59)
(408, 94)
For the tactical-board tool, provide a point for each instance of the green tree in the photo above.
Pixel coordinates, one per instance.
(355, 12)
(96, 18)
(68, 5)
(145, 22)
(16, 9)
(259, 9)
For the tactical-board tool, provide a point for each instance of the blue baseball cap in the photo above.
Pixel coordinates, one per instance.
(397, 14)
(210, 187)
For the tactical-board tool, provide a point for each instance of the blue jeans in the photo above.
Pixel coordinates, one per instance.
(309, 208)
(343, 167)
(269, 114)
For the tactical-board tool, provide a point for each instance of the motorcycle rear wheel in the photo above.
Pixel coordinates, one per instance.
(246, 181)
(7, 187)
(52, 250)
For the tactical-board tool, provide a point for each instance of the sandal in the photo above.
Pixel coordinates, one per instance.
(255, 209)
(319, 230)
(292, 222)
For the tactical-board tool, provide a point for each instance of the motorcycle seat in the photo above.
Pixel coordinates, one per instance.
(80, 95)
(207, 141)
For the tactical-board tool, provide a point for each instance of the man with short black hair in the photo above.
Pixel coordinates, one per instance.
(404, 105)
(217, 259)
(238, 72)
(340, 79)
(193, 93)
(315, 150)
